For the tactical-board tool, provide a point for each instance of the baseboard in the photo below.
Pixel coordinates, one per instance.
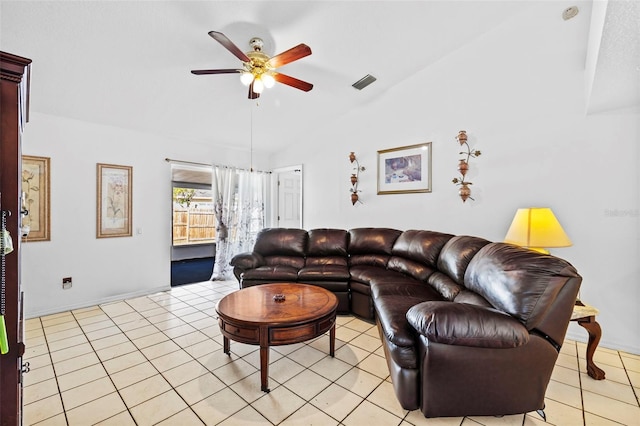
(583, 337)
(102, 301)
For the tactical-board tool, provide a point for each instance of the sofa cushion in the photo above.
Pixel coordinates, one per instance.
(326, 260)
(272, 273)
(409, 267)
(420, 246)
(391, 311)
(372, 240)
(467, 296)
(292, 261)
(518, 281)
(247, 260)
(457, 253)
(467, 325)
(324, 273)
(327, 242)
(409, 288)
(369, 274)
(281, 242)
(444, 285)
(376, 260)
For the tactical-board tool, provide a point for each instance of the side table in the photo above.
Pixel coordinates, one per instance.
(585, 315)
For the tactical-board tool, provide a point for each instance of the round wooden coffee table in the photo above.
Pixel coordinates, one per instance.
(277, 314)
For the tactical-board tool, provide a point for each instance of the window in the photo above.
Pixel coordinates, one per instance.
(193, 219)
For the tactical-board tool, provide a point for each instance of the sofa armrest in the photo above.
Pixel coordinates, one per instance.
(247, 260)
(466, 325)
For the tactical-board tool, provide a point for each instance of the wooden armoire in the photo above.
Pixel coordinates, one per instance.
(14, 99)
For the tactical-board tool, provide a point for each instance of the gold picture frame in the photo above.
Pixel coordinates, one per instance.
(114, 204)
(406, 169)
(36, 198)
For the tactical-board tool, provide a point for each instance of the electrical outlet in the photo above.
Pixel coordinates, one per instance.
(66, 283)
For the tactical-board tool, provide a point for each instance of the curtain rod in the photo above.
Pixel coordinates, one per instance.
(170, 160)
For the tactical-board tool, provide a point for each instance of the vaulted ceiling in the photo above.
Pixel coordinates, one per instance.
(127, 63)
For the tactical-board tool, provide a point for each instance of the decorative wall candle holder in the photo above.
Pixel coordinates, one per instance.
(463, 167)
(355, 178)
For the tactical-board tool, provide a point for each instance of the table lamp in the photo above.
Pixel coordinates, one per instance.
(537, 228)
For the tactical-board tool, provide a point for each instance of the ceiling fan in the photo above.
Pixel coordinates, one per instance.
(258, 69)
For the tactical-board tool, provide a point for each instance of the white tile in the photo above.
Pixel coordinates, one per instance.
(200, 388)
(278, 404)
(184, 417)
(39, 391)
(71, 352)
(369, 414)
(309, 415)
(81, 376)
(42, 409)
(219, 406)
(611, 408)
(375, 365)
(307, 355)
(96, 410)
(157, 409)
(144, 390)
(359, 381)
(171, 360)
(234, 371)
(184, 373)
(307, 384)
(385, 397)
(284, 369)
(336, 401)
(73, 364)
(331, 368)
(87, 392)
(134, 374)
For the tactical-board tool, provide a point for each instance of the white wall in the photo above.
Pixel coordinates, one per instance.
(108, 268)
(539, 148)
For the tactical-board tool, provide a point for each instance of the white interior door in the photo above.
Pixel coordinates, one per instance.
(289, 213)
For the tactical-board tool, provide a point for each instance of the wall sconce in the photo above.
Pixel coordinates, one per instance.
(354, 177)
(463, 167)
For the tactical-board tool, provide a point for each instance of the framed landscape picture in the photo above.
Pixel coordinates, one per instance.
(36, 190)
(405, 170)
(114, 201)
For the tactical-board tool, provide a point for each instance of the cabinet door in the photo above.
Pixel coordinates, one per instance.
(13, 100)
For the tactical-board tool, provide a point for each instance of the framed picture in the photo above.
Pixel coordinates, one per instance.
(114, 201)
(404, 170)
(35, 198)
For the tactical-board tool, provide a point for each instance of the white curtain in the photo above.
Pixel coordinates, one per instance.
(239, 198)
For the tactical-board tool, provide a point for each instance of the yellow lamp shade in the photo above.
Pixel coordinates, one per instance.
(536, 228)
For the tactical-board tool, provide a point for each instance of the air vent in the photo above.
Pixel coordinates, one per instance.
(364, 82)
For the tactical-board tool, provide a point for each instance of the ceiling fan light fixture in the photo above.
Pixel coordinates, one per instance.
(268, 80)
(246, 78)
(258, 85)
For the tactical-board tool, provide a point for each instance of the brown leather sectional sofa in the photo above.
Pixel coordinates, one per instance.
(468, 326)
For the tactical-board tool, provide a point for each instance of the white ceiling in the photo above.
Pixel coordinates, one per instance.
(127, 63)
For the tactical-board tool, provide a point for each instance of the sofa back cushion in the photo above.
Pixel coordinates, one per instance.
(327, 242)
(371, 246)
(420, 246)
(281, 242)
(519, 281)
(415, 253)
(456, 254)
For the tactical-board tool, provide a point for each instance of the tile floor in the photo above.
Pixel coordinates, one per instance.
(158, 360)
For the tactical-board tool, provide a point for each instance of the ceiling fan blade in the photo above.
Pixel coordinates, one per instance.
(252, 94)
(229, 45)
(223, 71)
(293, 82)
(293, 54)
